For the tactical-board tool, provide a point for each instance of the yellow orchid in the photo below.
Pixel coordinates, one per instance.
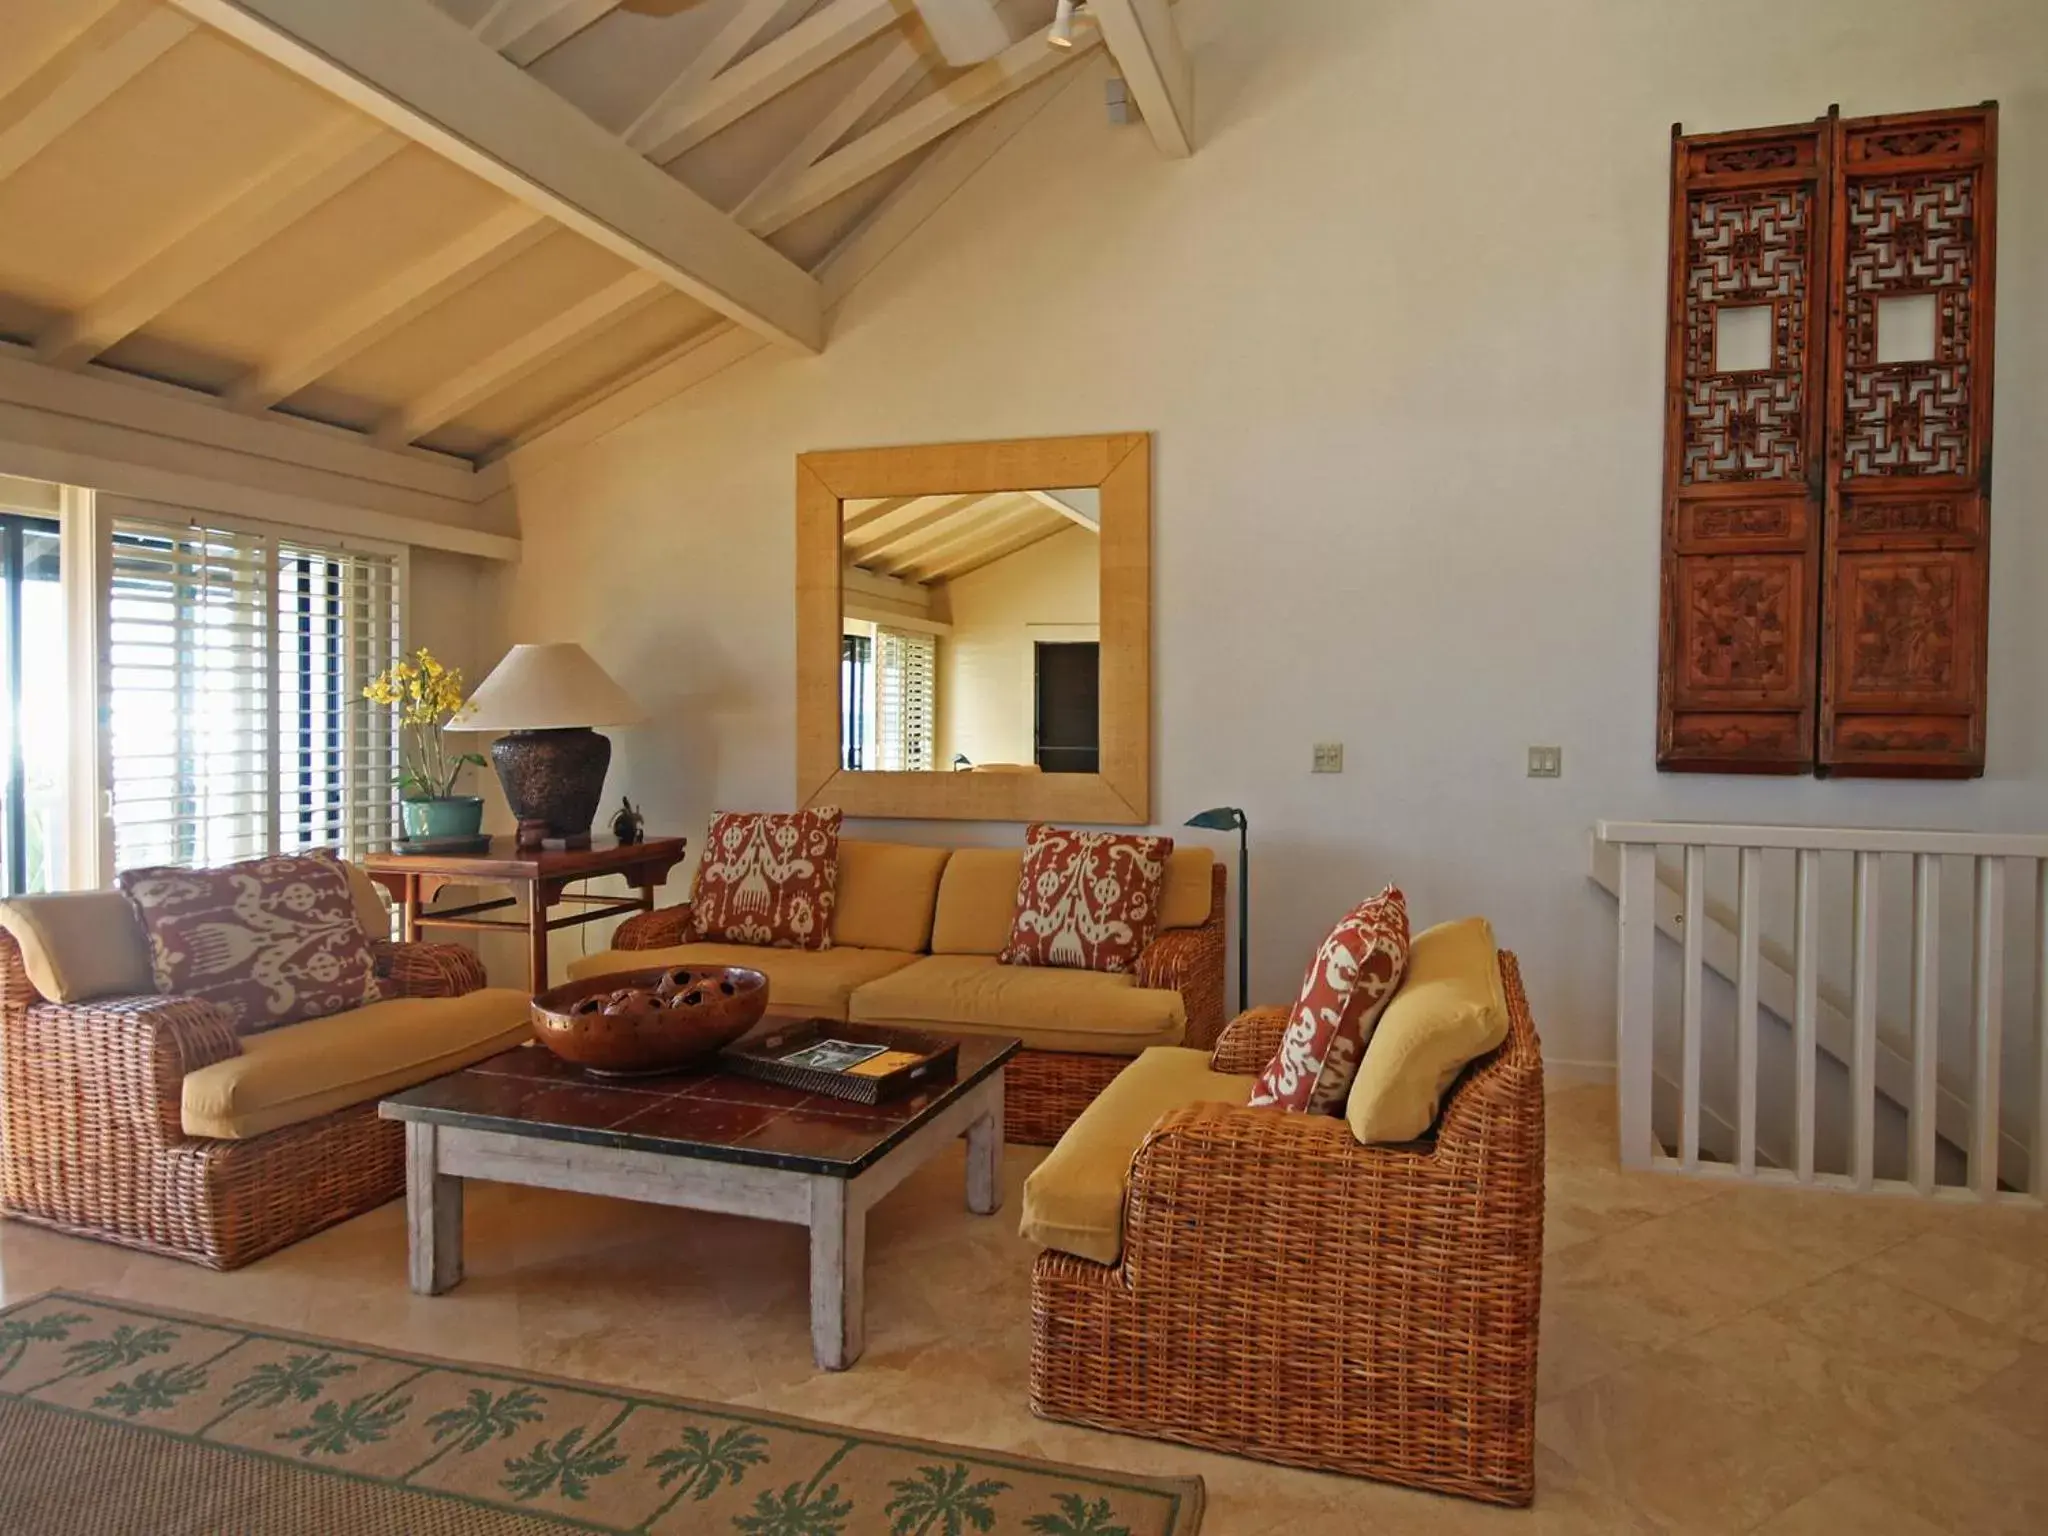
(426, 696)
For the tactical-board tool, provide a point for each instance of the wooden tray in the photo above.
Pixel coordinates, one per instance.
(758, 1055)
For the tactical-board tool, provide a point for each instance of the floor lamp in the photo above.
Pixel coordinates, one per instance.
(1228, 818)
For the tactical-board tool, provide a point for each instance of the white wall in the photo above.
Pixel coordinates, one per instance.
(1398, 327)
(1049, 591)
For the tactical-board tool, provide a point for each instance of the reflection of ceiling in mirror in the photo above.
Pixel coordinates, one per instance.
(929, 539)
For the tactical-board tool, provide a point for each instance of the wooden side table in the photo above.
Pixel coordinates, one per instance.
(539, 875)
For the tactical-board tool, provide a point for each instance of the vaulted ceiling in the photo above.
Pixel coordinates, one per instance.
(929, 539)
(451, 226)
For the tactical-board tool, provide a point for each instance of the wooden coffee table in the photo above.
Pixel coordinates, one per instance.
(711, 1142)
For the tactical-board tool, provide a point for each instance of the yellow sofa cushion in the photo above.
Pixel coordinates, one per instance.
(814, 981)
(978, 897)
(80, 945)
(1074, 1200)
(302, 1071)
(886, 894)
(1048, 1009)
(1450, 1010)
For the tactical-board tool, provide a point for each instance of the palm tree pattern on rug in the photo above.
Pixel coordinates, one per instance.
(599, 1458)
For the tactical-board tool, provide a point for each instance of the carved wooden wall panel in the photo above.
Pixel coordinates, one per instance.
(1742, 504)
(1826, 505)
(1909, 448)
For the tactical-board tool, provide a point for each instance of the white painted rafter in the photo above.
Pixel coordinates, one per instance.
(252, 213)
(48, 100)
(339, 335)
(524, 30)
(967, 31)
(530, 350)
(417, 70)
(681, 120)
(1147, 48)
(899, 67)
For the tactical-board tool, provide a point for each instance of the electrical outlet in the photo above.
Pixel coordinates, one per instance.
(1329, 757)
(1546, 762)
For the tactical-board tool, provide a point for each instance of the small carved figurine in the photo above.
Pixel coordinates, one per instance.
(628, 826)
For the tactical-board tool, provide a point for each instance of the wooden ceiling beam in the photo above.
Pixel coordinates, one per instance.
(678, 123)
(417, 70)
(967, 535)
(531, 350)
(867, 516)
(93, 64)
(401, 298)
(1146, 45)
(750, 21)
(959, 101)
(262, 207)
(524, 30)
(966, 565)
(967, 31)
(900, 66)
(922, 528)
(1066, 509)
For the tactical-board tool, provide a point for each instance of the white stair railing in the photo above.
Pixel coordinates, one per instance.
(1994, 857)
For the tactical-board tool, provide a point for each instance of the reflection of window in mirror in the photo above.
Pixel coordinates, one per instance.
(972, 632)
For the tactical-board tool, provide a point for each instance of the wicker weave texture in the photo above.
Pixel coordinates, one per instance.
(1291, 1295)
(92, 1141)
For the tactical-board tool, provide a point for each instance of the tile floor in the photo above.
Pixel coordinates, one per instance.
(1714, 1360)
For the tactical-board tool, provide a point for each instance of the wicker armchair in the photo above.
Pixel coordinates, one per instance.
(1289, 1294)
(1044, 1090)
(91, 1140)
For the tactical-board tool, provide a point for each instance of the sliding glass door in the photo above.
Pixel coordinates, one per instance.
(33, 731)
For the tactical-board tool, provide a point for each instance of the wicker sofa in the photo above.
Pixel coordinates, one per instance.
(1285, 1292)
(915, 934)
(107, 1101)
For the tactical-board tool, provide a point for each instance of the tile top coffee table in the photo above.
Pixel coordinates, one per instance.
(710, 1141)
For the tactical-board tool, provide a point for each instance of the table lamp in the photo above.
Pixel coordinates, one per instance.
(1228, 818)
(546, 698)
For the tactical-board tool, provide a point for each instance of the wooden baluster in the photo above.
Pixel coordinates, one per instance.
(1695, 943)
(1748, 919)
(1988, 995)
(1806, 1010)
(1922, 1111)
(1863, 1016)
(1636, 1000)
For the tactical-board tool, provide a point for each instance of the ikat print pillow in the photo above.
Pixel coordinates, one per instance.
(769, 878)
(268, 941)
(1354, 975)
(1087, 900)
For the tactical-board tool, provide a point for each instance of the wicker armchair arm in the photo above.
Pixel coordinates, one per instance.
(662, 928)
(428, 970)
(1189, 961)
(1249, 1041)
(118, 1060)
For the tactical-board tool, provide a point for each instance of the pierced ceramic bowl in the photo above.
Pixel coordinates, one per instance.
(643, 1023)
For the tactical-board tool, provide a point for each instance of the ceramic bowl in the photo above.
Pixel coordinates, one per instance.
(641, 1023)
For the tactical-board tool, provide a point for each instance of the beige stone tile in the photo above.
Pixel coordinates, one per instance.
(1948, 1266)
(1966, 1474)
(2016, 1399)
(1850, 1504)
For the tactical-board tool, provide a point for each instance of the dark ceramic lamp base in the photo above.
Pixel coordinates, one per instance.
(553, 782)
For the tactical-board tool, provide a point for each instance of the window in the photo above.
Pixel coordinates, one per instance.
(856, 694)
(906, 685)
(32, 738)
(235, 666)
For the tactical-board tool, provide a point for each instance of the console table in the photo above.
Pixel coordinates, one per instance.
(539, 876)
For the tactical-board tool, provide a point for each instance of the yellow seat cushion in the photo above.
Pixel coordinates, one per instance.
(302, 1071)
(1074, 1200)
(1451, 1009)
(978, 897)
(886, 893)
(814, 981)
(1049, 1010)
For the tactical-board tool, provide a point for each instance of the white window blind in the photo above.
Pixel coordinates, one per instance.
(236, 659)
(906, 689)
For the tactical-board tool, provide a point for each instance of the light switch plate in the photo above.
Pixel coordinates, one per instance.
(1329, 757)
(1546, 762)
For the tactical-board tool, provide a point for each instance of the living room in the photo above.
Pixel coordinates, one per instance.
(758, 350)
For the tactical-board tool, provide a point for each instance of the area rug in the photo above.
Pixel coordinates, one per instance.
(119, 1418)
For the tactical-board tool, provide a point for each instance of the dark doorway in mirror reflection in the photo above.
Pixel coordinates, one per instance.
(1067, 712)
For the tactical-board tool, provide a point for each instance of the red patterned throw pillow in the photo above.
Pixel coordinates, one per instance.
(769, 879)
(1087, 901)
(1354, 976)
(269, 941)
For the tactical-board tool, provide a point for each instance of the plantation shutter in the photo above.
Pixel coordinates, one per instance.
(906, 687)
(235, 662)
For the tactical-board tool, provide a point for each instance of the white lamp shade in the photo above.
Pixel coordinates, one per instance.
(544, 688)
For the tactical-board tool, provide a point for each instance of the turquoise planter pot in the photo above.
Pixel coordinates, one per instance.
(456, 816)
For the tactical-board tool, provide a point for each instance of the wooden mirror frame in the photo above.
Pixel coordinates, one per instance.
(1120, 465)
